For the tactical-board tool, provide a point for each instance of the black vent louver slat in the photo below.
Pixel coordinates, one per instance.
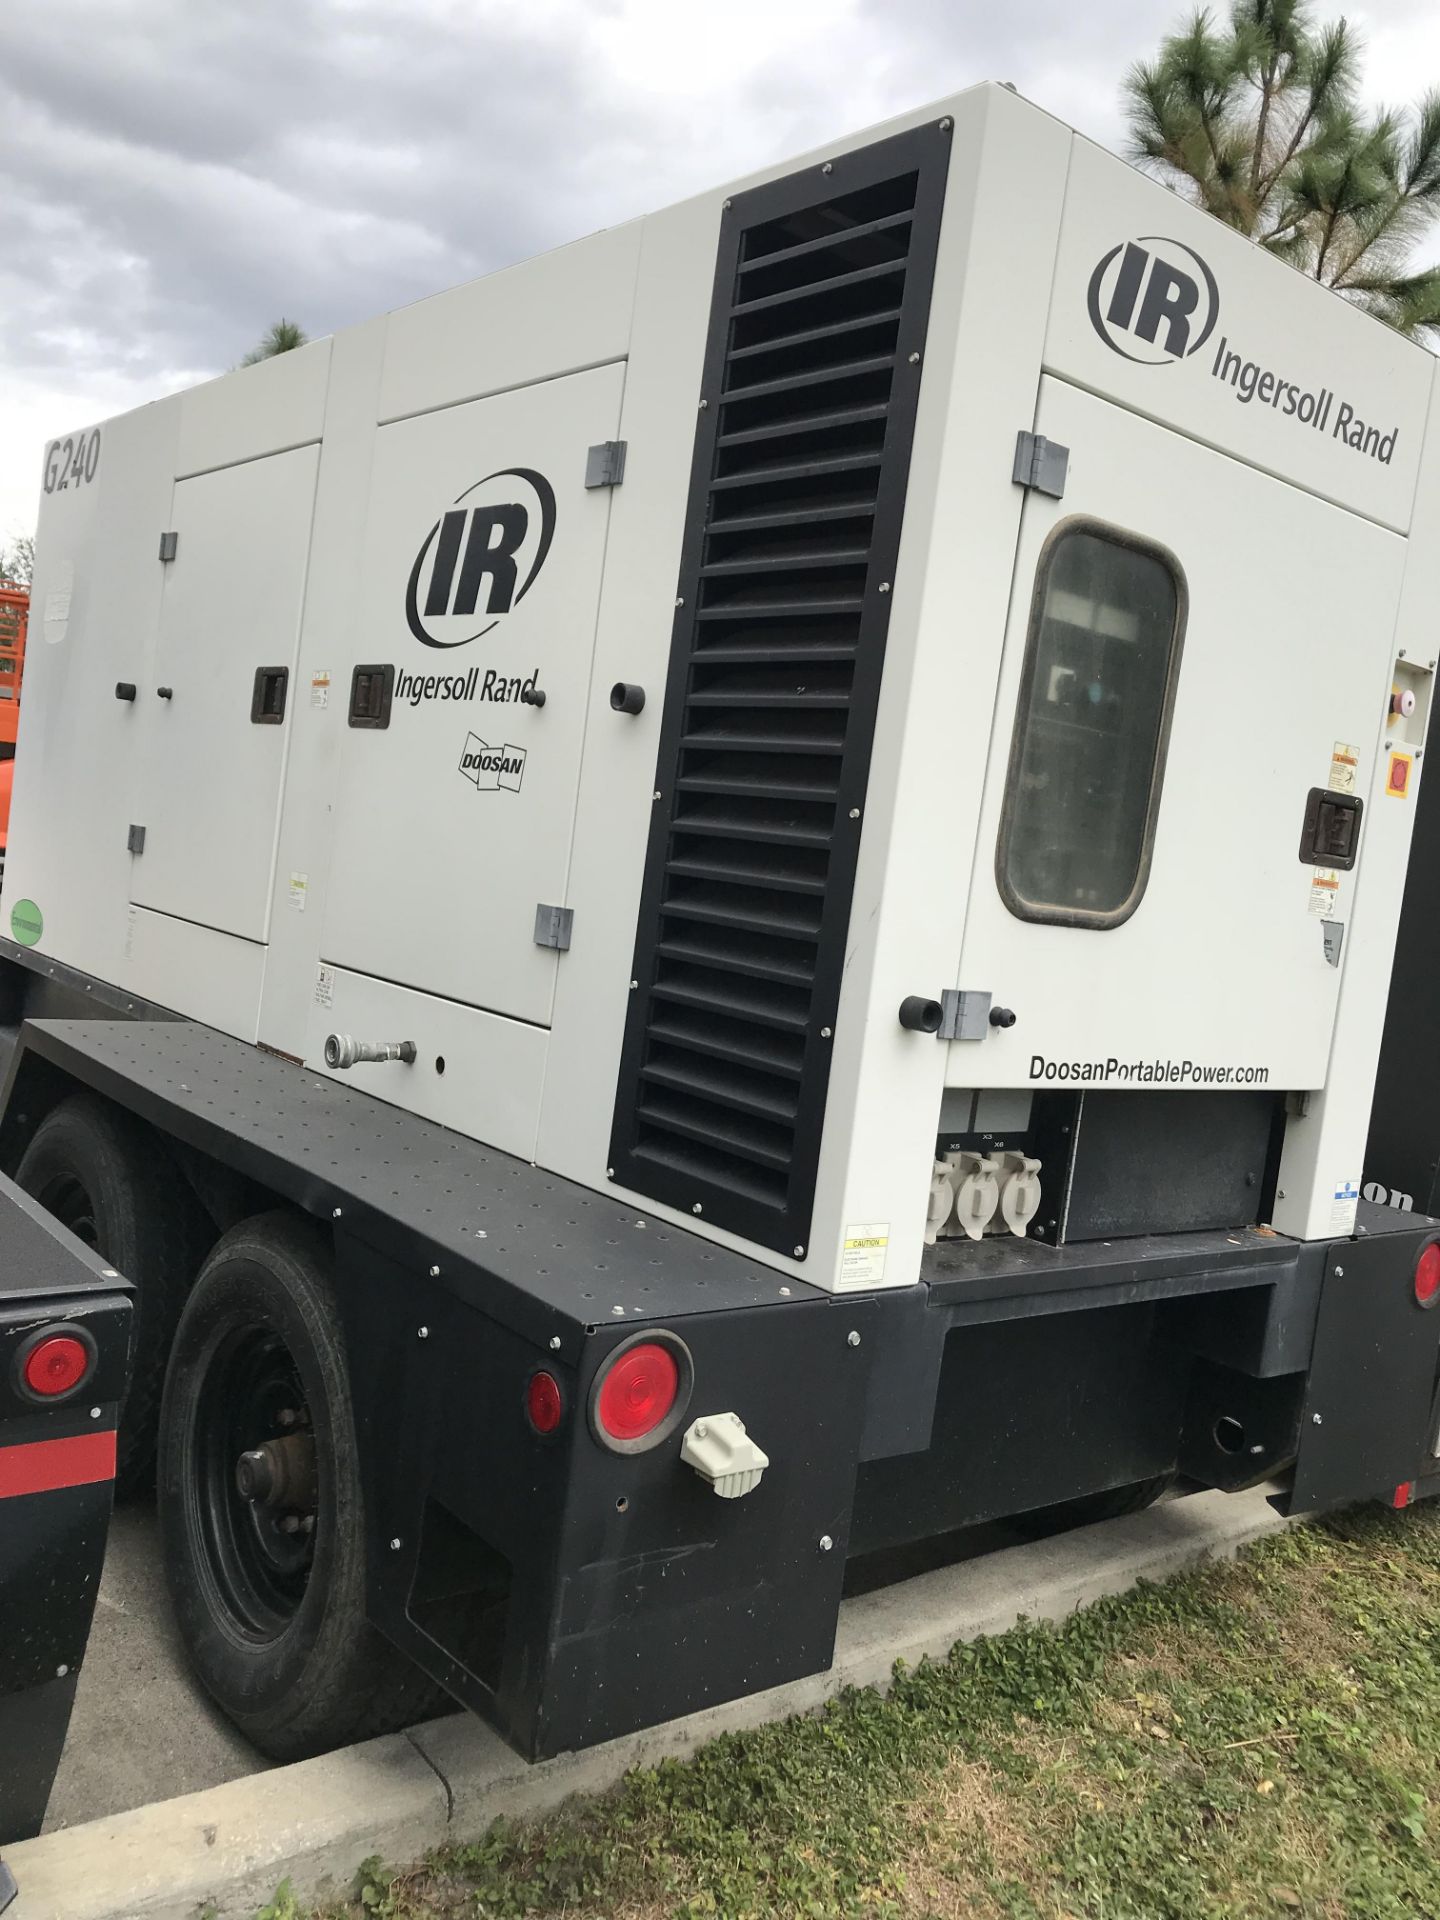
(812, 373)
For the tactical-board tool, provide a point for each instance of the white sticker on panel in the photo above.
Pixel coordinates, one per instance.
(325, 987)
(1324, 892)
(862, 1261)
(1344, 768)
(1343, 1207)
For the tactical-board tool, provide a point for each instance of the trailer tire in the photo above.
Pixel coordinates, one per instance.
(1112, 1503)
(107, 1177)
(274, 1622)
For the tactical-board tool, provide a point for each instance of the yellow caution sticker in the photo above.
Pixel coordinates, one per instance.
(862, 1259)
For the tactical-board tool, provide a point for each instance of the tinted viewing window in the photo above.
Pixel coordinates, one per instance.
(1090, 734)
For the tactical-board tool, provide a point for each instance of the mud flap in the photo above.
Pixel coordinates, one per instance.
(1363, 1429)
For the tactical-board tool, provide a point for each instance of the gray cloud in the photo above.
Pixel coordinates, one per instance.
(176, 174)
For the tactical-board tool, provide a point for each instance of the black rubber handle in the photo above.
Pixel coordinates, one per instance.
(1001, 1017)
(626, 697)
(124, 689)
(919, 1014)
(532, 696)
(166, 693)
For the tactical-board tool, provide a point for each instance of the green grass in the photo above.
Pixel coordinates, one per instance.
(1261, 1738)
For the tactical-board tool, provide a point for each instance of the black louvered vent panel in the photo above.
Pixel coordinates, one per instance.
(811, 378)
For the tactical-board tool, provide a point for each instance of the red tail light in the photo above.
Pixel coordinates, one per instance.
(56, 1364)
(1427, 1275)
(544, 1402)
(642, 1393)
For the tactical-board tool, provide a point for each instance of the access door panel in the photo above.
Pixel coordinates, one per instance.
(463, 731)
(213, 716)
(1193, 649)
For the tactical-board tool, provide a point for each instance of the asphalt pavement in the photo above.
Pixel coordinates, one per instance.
(142, 1729)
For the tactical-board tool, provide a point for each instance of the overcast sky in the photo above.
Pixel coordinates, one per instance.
(176, 174)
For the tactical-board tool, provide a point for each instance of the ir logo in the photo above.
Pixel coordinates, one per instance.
(481, 557)
(1153, 300)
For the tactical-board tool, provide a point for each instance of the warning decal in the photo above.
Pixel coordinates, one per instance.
(1344, 768)
(1324, 891)
(862, 1260)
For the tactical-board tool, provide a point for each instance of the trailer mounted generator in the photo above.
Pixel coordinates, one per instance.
(723, 902)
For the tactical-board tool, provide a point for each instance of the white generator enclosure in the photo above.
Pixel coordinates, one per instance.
(881, 706)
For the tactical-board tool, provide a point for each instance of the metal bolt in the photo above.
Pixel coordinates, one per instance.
(854, 813)
(786, 1292)
(825, 1033)
(609, 1173)
(852, 1339)
(680, 598)
(94, 1413)
(396, 1544)
(826, 1543)
(697, 1208)
(1402, 653)
(828, 167)
(1257, 1449)
(554, 1343)
(617, 1310)
(1339, 1273)
(703, 405)
(434, 1273)
(799, 1253)
(700, 1429)
(335, 1213)
(291, 1523)
(635, 984)
(727, 206)
(1316, 1421)
(61, 1671)
(884, 586)
(422, 1333)
(945, 125)
(914, 359)
(1279, 1193)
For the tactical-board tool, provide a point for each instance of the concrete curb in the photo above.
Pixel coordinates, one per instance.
(227, 1848)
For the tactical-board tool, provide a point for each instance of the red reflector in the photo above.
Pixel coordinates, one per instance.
(638, 1391)
(56, 1365)
(1402, 1494)
(543, 1402)
(1427, 1275)
(45, 1466)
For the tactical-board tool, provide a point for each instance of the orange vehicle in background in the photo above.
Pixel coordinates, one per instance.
(14, 618)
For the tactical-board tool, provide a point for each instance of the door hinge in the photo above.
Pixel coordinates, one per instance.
(552, 926)
(1040, 463)
(168, 543)
(605, 464)
(964, 1014)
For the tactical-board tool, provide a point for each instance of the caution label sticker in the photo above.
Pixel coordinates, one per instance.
(1344, 768)
(1324, 892)
(862, 1259)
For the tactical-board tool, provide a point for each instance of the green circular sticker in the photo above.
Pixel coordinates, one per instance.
(27, 923)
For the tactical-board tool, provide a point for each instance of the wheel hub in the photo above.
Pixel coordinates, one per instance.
(279, 1473)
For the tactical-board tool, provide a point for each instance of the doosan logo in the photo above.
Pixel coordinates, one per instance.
(495, 538)
(1153, 300)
